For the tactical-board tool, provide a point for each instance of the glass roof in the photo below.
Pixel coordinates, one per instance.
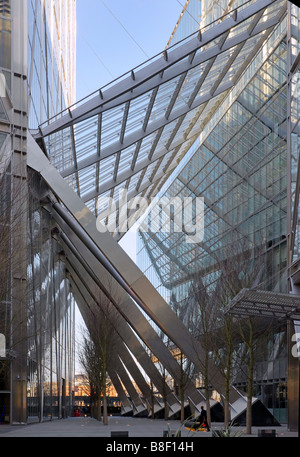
(134, 132)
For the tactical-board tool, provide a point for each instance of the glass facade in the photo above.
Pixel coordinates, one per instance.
(51, 320)
(239, 165)
(188, 22)
(51, 58)
(36, 305)
(51, 306)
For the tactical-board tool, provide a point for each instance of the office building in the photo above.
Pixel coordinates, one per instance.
(213, 117)
(244, 166)
(37, 311)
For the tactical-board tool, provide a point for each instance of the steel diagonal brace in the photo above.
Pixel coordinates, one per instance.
(86, 276)
(120, 266)
(90, 272)
(86, 302)
(87, 288)
(119, 348)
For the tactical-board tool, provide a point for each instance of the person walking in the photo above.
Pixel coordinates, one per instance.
(203, 418)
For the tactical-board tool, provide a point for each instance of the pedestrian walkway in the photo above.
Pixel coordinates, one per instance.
(136, 427)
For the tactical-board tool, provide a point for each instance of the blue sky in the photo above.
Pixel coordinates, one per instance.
(114, 36)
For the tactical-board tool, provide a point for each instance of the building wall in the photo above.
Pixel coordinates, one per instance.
(51, 87)
(35, 301)
(239, 165)
(52, 58)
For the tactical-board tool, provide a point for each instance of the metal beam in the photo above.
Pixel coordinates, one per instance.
(262, 303)
(139, 323)
(159, 124)
(76, 253)
(127, 406)
(127, 174)
(86, 301)
(123, 269)
(139, 406)
(89, 289)
(129, 88)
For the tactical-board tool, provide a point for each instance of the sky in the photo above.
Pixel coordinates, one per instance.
(115, 36)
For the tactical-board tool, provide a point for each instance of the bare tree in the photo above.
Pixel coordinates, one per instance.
(239, 268)
(248, 338)
(234, 267)
(99, 349)
(203, 321)
(254, 333)
(187, 368)
(186, 374)
(92, 364)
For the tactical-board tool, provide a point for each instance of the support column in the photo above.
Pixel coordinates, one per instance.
(19, 209)
(293, 382)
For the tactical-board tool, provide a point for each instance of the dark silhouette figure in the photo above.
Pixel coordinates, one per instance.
(203, 418)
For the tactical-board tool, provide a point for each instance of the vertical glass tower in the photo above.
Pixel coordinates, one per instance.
(243, 167)
(37, 63)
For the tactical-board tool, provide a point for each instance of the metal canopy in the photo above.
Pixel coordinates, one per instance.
(262, 303)
(132, 133)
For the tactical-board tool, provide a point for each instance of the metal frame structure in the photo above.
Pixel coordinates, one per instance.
(132, 134)
(261, 303)
(132, 285)
(284, 307)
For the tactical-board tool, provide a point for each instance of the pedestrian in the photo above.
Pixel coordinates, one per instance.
(203, 418)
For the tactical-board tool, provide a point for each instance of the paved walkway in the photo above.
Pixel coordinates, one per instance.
(136, 427)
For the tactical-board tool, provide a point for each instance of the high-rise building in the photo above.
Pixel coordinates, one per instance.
(51, 58)
(213, 119)
(38, 45)
(244, 164)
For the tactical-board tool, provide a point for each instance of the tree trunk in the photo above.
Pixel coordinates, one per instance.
(98, 410)
(207, 393)
(208, 413)
(250, 381)
(105, 416)
(182, 405)
(166, 410)
(152, 399)
(226, 414)
(249, 415)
